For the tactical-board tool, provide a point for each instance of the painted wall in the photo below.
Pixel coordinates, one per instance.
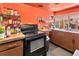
(66, 11)
(28, 13)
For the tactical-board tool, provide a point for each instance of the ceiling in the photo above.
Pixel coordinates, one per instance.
(54, 6)
(38, 4)
(62, 6)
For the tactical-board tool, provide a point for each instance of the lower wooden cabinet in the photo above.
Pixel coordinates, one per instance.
(13, 52)
(67, 41)
(76, 40)
(63, 39)
(55, 37)
(12, 49)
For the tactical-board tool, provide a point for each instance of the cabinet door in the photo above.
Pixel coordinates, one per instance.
(56, 37)
(67, 41)
(76, 39)
(51, 36)
(9, 45)
(63, 39)
(18, 51)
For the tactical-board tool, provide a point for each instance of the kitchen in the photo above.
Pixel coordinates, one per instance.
(38, 29)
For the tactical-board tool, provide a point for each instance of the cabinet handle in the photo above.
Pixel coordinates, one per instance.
(12, 46)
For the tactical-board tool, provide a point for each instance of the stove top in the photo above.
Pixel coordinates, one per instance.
(34, 35)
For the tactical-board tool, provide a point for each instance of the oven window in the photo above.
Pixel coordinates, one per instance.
(37, 44)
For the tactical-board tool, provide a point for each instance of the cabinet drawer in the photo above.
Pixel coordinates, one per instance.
(7, 46)
(18, 51)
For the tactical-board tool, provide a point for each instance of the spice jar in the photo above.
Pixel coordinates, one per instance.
(15, 13)
(11, 12)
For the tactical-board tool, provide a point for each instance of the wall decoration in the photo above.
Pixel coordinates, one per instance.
(39, 19)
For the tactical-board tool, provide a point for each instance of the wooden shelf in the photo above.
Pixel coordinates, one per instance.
(9, 16)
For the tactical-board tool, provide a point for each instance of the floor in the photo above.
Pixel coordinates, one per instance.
(57, 51)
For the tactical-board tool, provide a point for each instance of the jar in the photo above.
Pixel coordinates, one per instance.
(10, 21)
(11, 12)
(15, 13)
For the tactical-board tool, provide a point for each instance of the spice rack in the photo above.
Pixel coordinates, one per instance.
(11, 19)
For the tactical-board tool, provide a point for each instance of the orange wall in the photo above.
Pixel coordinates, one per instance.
(66, 11)
(28, 13)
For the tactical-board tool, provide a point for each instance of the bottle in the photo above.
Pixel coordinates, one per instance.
(11, 12)
(9, 27)
(10, 21)
(8, 31)
(1, 18)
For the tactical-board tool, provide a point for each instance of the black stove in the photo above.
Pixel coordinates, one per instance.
(35, 41)
(34, 35)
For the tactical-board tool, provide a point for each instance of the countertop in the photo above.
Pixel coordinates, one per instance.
(13, 37)
(46, 30)
(63, 30)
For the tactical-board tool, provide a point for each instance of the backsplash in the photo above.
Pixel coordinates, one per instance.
(68, 22)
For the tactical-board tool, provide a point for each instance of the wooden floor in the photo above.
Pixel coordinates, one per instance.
(57, 51)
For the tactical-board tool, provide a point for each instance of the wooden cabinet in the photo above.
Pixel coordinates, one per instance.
(76, 41)
(67, 41)
(12, 49)
(57, 37)
(51, 35)
(63, 39)
(13, 52)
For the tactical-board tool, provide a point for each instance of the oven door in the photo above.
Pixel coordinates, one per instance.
(36, 46)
